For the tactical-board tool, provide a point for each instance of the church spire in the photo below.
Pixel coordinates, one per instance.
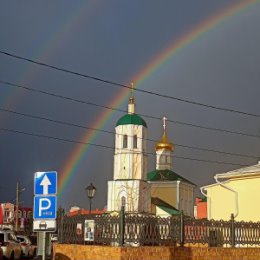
(131, 104)
(164, 144)
(164, 123)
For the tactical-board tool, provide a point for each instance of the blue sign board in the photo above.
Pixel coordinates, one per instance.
(45, 207)
(45, 183)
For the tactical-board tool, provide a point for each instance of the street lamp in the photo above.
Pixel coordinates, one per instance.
(18, 191)
(91, 191)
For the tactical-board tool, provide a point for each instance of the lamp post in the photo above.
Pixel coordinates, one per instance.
(91, 191)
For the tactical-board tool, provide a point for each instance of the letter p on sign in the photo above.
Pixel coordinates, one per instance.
(44, 205)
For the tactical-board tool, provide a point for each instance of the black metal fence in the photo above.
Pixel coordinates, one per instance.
(144, 229)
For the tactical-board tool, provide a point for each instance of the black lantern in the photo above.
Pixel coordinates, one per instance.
(91, 191)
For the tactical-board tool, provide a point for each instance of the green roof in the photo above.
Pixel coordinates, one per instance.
(203, 199)
(165, 175)
(165, 206)
(131, 119)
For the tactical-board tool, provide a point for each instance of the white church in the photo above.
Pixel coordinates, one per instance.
(161, 192)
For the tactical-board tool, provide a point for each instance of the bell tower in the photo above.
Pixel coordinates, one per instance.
(129, 186)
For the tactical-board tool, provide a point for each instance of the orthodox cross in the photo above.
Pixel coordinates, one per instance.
(164, 122)
(132, 88)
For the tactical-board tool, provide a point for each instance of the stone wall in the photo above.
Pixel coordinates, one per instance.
(216, 253)
(86, 252)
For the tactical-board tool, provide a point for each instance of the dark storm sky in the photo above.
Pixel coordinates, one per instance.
(115, 40)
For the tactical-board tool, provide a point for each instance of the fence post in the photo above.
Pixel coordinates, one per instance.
(182, 231)
(232, 230)
(60, 230)
(122, 226)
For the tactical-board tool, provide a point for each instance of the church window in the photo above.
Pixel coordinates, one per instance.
(135, 141)
(125, 141)
(162, 159)
(123, 201)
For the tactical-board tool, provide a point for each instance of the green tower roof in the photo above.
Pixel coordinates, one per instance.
(131, 119)
(165, 175)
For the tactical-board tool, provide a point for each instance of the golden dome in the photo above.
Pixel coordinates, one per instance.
(164, 144)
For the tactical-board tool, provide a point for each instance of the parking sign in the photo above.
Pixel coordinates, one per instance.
(45, 201)
(45, 207)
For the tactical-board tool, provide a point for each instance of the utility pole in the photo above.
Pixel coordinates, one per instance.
(17, 205)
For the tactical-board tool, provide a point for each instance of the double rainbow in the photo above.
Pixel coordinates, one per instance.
(175, 47)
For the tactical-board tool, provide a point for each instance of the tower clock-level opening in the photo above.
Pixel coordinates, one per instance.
(125, 143)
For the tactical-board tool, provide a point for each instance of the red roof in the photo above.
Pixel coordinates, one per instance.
(86, 212)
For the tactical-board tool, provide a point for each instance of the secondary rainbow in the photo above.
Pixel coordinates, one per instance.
(77, 155)
(78, 16)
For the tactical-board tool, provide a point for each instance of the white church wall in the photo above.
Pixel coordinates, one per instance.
(136, 193)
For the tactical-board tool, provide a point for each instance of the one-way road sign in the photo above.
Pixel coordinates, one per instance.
(45, 183)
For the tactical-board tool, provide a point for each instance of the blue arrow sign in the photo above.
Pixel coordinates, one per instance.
(45, 183)
(45, 207)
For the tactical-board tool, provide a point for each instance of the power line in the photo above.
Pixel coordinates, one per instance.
(121, 110)
(106, 146)
(110, 132)
(60, 96)
(125, 86)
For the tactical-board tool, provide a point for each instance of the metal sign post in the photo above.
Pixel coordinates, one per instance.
(45, 205)
(44, 245)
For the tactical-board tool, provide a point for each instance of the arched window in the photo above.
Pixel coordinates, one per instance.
(123, 201)
(125, 141)
(135, 141)
(162, 159)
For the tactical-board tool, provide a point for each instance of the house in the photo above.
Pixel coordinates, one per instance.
(8, 210)
(235, 192)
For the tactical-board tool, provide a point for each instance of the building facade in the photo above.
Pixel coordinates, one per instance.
(200, 208)
(235, 192)
(8, 211)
